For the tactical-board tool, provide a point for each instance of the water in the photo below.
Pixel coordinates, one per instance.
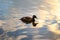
(11, 28)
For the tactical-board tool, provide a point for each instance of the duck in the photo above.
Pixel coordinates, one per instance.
(29, 20)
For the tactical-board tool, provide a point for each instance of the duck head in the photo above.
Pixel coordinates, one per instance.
(34, 16)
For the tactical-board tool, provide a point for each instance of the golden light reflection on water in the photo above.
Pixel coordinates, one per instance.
(43, 15)
(55, 7)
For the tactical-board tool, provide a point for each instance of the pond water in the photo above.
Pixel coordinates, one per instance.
(11, 28)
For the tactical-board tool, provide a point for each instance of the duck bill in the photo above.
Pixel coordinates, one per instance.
(36, 18)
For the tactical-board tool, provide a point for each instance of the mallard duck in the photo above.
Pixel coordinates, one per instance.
(28, 20)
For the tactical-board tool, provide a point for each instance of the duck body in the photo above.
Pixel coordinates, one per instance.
(28, 20)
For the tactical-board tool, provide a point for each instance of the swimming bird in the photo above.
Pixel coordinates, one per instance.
(28, 20)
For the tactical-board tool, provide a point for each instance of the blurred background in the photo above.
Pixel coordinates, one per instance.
(47, 11)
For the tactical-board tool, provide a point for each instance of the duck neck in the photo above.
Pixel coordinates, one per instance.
(33, 17)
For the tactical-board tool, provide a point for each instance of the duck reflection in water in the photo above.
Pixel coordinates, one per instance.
(28, 20)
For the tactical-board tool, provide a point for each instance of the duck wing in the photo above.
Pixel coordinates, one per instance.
(26, 20)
